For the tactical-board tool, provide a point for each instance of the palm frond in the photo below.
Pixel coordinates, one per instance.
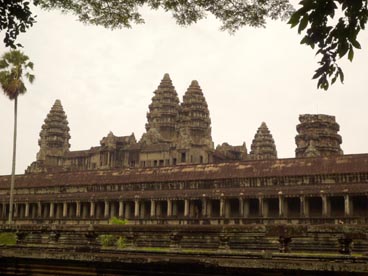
(3, 64)
(12, 66)
(29, 65)
(30, 77)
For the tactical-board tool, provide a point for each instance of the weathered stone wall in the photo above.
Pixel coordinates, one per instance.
(282, 248)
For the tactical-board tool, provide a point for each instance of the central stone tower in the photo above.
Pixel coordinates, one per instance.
(163, 112)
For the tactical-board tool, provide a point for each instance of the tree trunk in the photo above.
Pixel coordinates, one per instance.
(11, 200)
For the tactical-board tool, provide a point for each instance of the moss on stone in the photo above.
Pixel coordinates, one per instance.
(8, 238)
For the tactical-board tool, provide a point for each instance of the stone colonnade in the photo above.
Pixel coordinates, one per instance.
(205, 207)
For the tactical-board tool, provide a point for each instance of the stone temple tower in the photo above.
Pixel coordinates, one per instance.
(194, 116)
(163, 112)
(317, 136)
(263, 146)
(195, 126)
(54, 137)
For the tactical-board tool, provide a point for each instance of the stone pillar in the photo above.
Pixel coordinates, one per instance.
(227, 209)
(158, 209)
(51, 209)
(260, 207)
(241, 207)
(347, 205)
(92, 209)
(186, 208)
(128, 210)
(39, 209)
(142, 209)
(169, 207)
(65, 209)
(78, 210)
(281, 206)
(153, 208)
(246, 208)
(265, 208)
(222, 207)
(3, 211)
(191, 209)
(121, 208)
(209, 208)
(15, 208)
(304, 208)
(106, 209)
(175, 208)
(136, 208)
(204, 207)
(325, 212)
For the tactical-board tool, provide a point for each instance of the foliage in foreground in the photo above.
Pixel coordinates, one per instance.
(334, 37)
(331, 26)
(15, 18)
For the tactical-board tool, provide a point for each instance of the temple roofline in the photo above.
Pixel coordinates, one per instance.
(354, 163)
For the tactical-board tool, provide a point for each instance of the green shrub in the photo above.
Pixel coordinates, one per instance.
(107, 240)
(115, 220)
(8, 238)
(121, 242)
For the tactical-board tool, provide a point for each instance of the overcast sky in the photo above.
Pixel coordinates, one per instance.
(105, 80)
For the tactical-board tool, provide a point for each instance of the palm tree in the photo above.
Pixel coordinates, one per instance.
(14, 66)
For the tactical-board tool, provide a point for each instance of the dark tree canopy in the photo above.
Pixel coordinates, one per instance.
(233, 14)
(330, 26)
(15, 17)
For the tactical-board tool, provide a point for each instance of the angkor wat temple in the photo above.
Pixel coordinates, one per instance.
(175, 175)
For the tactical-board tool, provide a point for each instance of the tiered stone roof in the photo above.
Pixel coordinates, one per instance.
(194, 115)
(263, 146)
(317, 136)
(54, 136)
(164, 110)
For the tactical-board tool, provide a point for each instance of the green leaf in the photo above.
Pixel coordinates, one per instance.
(356, 44)
(294, 19)
(307, 40)
(351, 54)
(343, 48)
(334, 78)
(319, 72)
(303, 23)
(341, 74)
